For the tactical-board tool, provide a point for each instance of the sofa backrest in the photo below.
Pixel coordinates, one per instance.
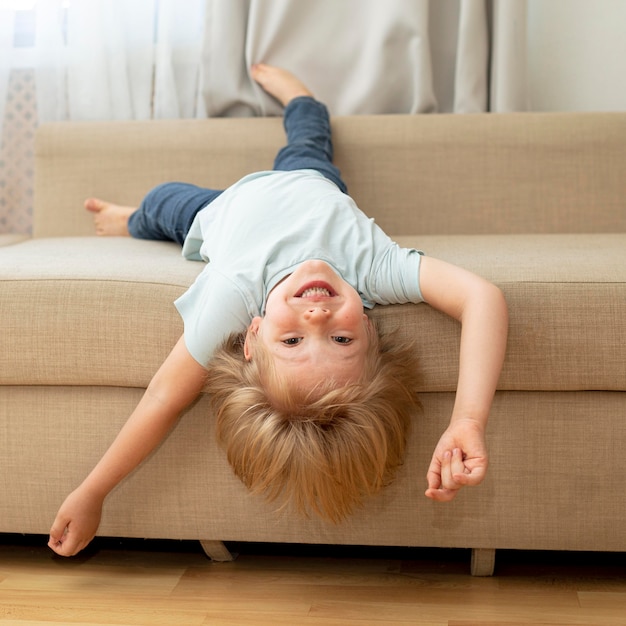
(415, 174)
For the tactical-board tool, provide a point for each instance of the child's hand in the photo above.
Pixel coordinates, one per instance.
(76, 523)
(459, 460)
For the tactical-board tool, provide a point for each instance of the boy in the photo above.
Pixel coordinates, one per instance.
(311, 404)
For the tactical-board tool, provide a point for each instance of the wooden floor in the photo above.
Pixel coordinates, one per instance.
(150, 584)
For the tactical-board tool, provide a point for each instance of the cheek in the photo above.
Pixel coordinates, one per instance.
(355, 312)
(277, 319)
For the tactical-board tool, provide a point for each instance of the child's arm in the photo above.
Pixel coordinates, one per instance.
(460, 457)
(176, 384)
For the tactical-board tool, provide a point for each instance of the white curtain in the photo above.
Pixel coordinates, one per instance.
(145, 59)
(118, 59)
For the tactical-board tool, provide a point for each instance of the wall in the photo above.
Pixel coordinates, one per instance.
(577, 55)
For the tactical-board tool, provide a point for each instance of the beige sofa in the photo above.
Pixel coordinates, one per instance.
(534, 202)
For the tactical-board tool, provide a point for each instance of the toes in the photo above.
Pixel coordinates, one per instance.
(94, 205)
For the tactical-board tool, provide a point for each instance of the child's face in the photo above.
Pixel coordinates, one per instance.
(314, 327)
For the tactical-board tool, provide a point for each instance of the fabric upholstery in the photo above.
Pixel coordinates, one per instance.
(100, 311)
(186, 490)
(534, 202)
(416, 174)
(7, 240)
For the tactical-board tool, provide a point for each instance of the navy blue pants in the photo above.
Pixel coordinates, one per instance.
(168, 210)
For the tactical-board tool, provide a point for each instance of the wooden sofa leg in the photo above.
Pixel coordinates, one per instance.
(483, 562)
(217, 551)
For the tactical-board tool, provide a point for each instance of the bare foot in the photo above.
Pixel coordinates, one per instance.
(109, 219)
(280, 83)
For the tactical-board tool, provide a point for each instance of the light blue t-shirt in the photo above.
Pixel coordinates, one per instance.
(260, 229)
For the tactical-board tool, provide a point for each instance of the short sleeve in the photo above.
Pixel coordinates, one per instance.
(212, 309)
(395, 279)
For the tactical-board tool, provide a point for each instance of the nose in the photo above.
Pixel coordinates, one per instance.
(316, 314)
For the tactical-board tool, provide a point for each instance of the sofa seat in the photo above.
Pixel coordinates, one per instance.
(99, 311)
(567, 304)
(89, 310)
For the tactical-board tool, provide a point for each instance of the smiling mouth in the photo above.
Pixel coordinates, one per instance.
(316, 289)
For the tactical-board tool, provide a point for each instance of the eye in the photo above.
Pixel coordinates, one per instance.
(292, 341)
(342, 340)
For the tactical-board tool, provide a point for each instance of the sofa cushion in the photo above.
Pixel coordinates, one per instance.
(567, 306)
(99, 311)
(437, 174)
(89, 310)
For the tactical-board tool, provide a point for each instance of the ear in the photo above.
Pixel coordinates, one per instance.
(255, 324)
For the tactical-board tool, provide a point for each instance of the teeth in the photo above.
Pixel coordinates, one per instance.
(315, 291)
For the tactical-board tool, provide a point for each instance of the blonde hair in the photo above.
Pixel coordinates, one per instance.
(322, 450)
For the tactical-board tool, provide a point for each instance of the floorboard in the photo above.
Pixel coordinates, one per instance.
(121, 582)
